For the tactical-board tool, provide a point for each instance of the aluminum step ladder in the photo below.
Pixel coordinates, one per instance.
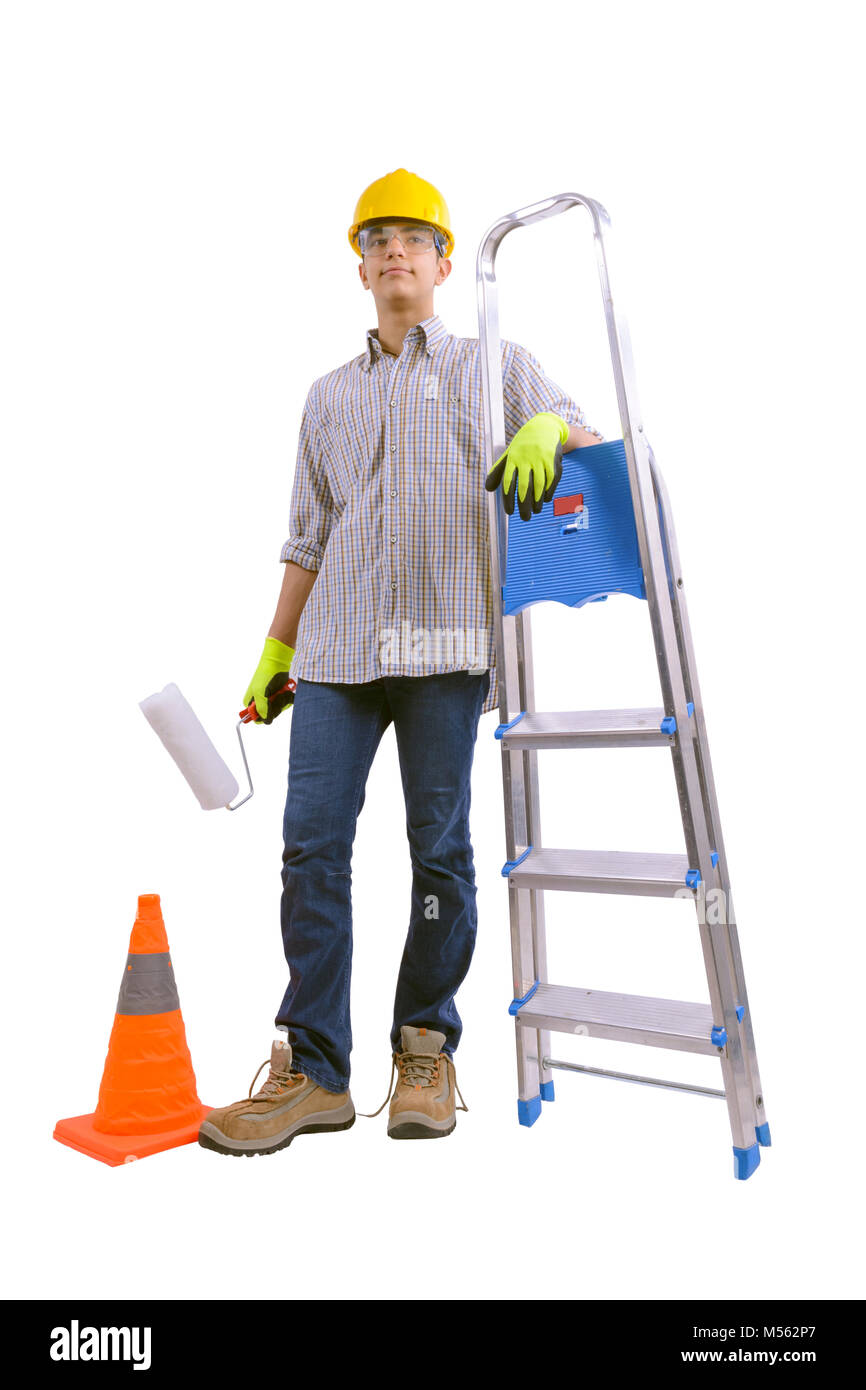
(607, 530)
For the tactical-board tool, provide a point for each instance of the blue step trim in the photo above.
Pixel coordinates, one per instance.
(693, 877)
(691, 709)
(746, 1161)
(740, 1012)
(718, 1037)
(763, 1133)
(501, 728)
(513, 863)
(668, 724)
(516, 1003)
(547, 1090)
(528, 1111)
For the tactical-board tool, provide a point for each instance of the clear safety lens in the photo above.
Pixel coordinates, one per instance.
(415, 238)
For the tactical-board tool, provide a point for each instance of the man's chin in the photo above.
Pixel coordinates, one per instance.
(398, 285)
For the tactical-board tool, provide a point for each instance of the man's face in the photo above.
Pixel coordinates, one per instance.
(399, 278)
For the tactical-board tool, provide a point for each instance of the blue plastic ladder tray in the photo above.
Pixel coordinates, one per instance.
(584, 556)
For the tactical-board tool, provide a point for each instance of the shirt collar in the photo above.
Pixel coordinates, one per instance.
(430, 332)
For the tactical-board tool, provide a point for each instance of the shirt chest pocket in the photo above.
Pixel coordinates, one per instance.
(348, 456)
(462, 418)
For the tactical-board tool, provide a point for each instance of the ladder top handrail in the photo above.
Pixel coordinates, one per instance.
(538, 212)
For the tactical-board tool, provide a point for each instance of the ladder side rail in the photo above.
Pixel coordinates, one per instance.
(513, 765)
(516, 694)
(536, 896)
(715, 938)
(526, 929)
(518, 822)
(698, 724)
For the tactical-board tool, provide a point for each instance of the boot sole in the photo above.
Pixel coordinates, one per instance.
(413, 1130)
(208, 1141)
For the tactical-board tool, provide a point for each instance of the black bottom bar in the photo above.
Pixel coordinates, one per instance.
(652, 1335)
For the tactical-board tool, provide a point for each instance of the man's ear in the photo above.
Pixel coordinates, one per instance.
(443, 270)
(363, 274)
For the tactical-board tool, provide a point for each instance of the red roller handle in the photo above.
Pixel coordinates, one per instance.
(250, 714)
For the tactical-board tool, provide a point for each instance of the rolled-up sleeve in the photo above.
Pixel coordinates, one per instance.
(311, 507)
(526, 391)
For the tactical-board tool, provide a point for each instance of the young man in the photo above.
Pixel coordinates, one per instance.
(385, 615)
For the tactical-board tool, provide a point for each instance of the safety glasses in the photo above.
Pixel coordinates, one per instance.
(415, 237)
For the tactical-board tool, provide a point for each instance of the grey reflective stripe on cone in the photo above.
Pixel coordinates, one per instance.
(148, 985)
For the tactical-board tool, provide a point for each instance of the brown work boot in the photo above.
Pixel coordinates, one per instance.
(288, 1104)
(423, 1105)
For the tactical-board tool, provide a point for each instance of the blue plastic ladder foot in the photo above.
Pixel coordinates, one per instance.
(746, 1161)
(528, 1111)
(763, 1133)
(547, 1091)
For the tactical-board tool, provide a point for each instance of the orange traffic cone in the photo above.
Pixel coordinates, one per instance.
(147, 1099)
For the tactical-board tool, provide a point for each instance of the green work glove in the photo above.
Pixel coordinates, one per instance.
(531, 465)
(271, 675)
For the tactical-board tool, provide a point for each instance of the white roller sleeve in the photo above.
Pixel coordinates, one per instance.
(178, 726)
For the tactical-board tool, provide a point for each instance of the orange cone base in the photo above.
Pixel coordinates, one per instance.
(114, 1149)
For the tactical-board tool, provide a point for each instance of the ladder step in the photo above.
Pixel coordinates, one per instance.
(602, 871)
(593, 728)
(634, 1018)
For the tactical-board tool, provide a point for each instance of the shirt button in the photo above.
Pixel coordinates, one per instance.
(393, 538)
(455, 399)
(392, 402)
(393, 492)
(393, 586)
(393, 448)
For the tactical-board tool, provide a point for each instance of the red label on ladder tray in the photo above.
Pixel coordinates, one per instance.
(567, 506)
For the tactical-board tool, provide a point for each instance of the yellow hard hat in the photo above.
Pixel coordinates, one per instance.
(402, 194)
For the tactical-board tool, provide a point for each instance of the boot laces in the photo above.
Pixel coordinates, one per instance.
(415, 1069)
(276, 1085)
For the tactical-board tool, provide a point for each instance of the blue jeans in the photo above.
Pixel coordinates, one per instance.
(336, 729)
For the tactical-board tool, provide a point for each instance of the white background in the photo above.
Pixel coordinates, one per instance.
(178, 181)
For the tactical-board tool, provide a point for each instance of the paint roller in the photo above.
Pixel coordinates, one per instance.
(183, 735)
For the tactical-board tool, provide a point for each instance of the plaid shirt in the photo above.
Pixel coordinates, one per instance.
(389, 505)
